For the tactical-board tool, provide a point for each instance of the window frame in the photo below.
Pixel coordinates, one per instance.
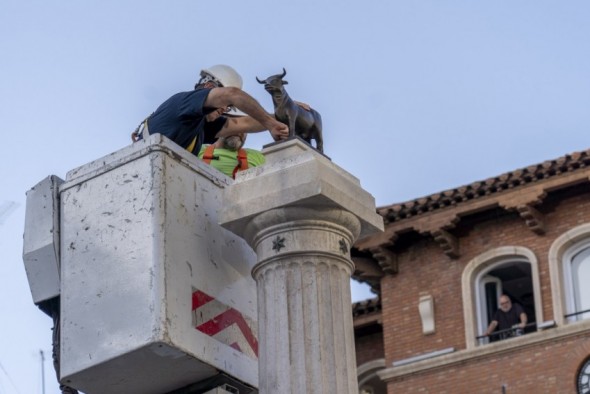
(368, 371)
(480, 281)
(477, 268)
(561, 252)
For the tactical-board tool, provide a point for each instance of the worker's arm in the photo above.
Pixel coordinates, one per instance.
(491, 327)
(247, 124)
(242, 124)
(225, 97)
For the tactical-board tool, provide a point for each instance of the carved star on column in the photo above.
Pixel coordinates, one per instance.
(343, 246)
(278, 243)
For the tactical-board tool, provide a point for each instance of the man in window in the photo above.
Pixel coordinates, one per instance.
(510, 319)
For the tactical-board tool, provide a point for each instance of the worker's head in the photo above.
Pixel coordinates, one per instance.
(505, 303)
(233, 142)
(219, 76)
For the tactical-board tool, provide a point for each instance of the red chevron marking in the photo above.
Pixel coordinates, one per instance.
(226, 319)
(200, 299)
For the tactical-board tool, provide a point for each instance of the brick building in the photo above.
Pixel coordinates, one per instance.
(440, 267)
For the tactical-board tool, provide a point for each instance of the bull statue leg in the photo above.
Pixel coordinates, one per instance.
(316, 132)
(292, 126)
(319, 142)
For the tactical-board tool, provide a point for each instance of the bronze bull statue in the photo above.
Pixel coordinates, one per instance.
(302, 122)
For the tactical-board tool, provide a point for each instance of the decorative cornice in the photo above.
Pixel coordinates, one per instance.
(386, 259)
(367, 270)
(477, 190)
(519, 191)
(532, 218)
(448, 243)
(366, 307)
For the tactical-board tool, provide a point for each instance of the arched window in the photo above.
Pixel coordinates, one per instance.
(577, 278)
(569, 267)
(507, 270)
(369, 382)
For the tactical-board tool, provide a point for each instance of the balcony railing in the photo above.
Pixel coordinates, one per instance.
(576, 313)
(512, 332)
(516, 331)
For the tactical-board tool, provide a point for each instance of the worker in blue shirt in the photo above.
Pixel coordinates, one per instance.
(196, 117)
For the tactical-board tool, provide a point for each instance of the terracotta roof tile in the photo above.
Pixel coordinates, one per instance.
(366, 307)
(509, 180)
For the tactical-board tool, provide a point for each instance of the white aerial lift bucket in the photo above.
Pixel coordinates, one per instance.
(155, 295)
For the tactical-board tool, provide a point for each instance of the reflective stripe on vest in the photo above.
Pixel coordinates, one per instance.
(242, 158)
(208, 155)
(242, 162)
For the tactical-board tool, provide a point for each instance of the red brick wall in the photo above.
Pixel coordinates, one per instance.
(369, 348)
(547, 369)
(424, 269)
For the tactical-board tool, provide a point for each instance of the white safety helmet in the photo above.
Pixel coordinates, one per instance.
(227, 76)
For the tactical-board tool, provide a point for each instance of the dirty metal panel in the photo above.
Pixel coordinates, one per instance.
(41, 239)
(139, 240)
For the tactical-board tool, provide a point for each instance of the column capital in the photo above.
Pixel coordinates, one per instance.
(296, 175)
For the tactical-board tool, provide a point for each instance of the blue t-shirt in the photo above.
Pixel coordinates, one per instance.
(508, 319)
(182, 117)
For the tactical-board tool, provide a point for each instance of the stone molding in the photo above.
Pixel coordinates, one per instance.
(512, 345)
(369, 369)
(276, 221)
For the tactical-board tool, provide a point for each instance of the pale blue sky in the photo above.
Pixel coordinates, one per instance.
(416, 97)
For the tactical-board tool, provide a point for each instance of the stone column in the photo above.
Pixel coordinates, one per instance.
(301, 214)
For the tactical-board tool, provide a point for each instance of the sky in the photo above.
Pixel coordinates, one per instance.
(416, 97)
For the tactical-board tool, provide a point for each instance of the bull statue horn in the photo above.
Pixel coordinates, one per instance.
(284, 72)
(259, 81)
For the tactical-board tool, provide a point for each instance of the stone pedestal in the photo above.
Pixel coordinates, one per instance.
(301, 214)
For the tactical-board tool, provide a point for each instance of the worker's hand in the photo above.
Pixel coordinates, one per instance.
(279, 131)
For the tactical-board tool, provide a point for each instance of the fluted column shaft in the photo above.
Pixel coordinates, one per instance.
(306, 337)
(301, 213)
